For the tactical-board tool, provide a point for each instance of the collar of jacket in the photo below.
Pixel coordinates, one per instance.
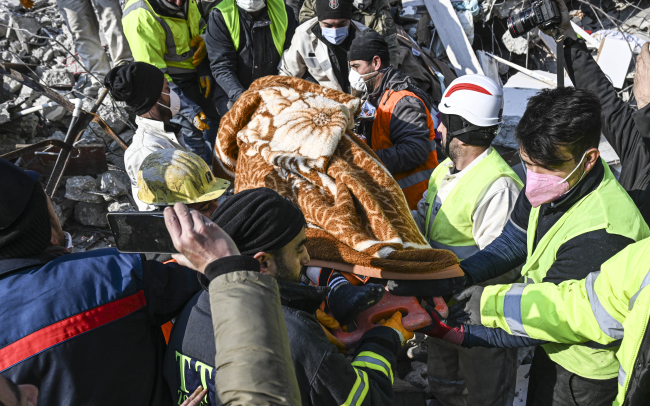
(166, 9)
(395, 80)
(263, 17)
(156, 126)
(11, 265)
(302, 297)
(587, 185)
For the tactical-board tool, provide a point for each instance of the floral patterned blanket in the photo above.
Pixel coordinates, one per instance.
(295, 137)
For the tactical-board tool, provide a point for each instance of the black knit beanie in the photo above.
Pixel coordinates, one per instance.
(31, 232)
(138, 84)
(334, 9)
(259, 220)
(366, 45)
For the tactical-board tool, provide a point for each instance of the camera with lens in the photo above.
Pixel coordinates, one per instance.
(542, 14)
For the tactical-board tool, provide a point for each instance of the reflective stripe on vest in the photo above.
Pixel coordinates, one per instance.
(277, 15)
(171, 55)
(452, 227)
(359, 390)
(415, 178)
(512, 309)
(644, 283)
(607, 323)
(374, 361)
(621, 376)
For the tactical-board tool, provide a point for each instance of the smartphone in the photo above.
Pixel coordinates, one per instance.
(141, 232)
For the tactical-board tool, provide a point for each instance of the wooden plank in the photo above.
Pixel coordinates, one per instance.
(459, 50)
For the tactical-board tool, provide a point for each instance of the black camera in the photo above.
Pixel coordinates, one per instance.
(542, 13)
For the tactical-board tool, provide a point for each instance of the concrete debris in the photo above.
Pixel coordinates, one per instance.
(517, 45)
(115, 183)
(91, 214)
(56, 77)
(79, 188)
(120, 207)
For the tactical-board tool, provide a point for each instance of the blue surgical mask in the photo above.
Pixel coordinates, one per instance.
(335, 35)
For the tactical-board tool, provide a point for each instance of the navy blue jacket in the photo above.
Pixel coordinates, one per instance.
(85, 328)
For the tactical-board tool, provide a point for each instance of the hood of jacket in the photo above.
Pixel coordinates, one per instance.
(302, 297)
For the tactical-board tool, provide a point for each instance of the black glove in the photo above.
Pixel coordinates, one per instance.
(436, 287)
(468, 308)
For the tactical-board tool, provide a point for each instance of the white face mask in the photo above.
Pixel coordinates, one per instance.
(359, 84)
(174, 102)
(335, 35)
(251, 5)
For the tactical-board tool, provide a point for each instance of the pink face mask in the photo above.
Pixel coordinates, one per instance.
(542, 189)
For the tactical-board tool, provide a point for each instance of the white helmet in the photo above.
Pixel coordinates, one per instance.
(476, 98)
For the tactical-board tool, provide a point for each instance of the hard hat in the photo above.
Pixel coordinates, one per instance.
(476, 98)
(170, 176)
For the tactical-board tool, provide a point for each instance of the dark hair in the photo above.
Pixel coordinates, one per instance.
(566, 117)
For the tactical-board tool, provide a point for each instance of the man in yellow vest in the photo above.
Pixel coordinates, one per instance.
(609, 307)
(572, 217)
(165, 33)
(245, 40)
(402, 133)
(466, 206)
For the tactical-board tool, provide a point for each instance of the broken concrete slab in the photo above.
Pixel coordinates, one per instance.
(120, 207)
(28, 26)
(114, 183)
(517, 45)
(451, 32)
(91, 214)
(4, 112)
(54, 77)
(78, 187)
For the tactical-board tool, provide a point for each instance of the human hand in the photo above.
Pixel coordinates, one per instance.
(196, 397)
(201, 52)
(328, 322)
(439, 329)
(198, 240)
(565, 26)
(642, 77)
(205, 83)
(200, 122)
(395, 322)
(468, 308)
(28, 4)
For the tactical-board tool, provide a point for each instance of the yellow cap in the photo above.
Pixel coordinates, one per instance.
(170, 176)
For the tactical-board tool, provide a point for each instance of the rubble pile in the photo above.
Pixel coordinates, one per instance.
(38, 44)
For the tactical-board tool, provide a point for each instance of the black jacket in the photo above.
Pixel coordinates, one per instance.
(409, 132)
(85, 328)
(627, 130)
(324, 376)
(257, 56)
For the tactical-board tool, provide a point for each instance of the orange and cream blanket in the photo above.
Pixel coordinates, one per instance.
(295, 137)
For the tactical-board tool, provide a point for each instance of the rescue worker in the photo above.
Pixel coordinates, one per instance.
(145, 89)
(166, 34)
(608, 305)
(169, 176)
(572, 217)
(269, 229)
(319, 50)
(84, 24)
(78, 326)
(245, 41)
(374, 14)
(466, 206)
(263, 373)
(402, 133)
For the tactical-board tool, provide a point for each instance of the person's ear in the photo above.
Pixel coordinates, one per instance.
(265, 262)
(590, 159)
(376, 63)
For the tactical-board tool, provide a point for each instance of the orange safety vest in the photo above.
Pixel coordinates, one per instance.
(413, 182)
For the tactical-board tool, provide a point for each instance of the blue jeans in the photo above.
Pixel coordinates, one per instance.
(192, 103)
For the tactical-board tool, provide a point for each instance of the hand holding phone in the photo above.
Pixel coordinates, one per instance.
(198, 240)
